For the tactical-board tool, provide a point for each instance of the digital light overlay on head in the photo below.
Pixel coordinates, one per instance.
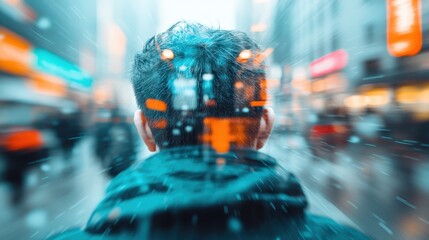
(201, 86)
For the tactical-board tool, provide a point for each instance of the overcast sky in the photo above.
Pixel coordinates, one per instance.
(210, 12)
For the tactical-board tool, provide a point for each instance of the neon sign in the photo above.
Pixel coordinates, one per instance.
(329, 63)
(404, 27)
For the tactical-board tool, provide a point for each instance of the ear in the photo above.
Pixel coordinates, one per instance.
(144, 130)
(265, 127)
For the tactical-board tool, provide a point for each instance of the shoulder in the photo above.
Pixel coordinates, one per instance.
(327, 228)
(74, 233)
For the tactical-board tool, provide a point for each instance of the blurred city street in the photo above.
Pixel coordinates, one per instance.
(57, 197)
(348, 82)
(381, 191)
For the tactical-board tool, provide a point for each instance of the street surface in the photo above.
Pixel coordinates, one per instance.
(381, 190)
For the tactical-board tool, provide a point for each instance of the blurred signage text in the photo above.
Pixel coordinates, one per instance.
(19, 57)
(15, 53)
(404, 27)
(18, 10)
(52, 64)
(329, 63)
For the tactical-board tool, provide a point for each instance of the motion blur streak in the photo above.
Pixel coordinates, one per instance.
(348, 81)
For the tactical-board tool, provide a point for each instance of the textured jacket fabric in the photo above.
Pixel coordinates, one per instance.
(195, 193)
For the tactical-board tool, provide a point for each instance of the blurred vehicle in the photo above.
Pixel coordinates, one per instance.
(284, 124)
(368, 125)
(20, 148)
(329, 133)
(115, 140)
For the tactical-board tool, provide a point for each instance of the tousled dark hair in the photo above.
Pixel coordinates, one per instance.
(198, 50)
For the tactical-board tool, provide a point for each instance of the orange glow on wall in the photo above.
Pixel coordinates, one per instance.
(103, 93)
(15, 53)
(261, 27)
(404, 27)
(356, 101)
(407, 94)
(334, 82)
(48, 84)
(116, 40)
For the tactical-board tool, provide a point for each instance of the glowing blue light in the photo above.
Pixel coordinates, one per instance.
(50, 63)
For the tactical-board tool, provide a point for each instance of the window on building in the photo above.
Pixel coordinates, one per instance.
(321, 49)
(369, 33)
(334, 7)
(314, 51)
(321, 17)
(372, 67)
(426, 36)
(335, 42)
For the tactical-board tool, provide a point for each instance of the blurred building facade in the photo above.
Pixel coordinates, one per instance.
(48, 58)
(337, 53)
(256, 18)
(123, 31)
(47, 67)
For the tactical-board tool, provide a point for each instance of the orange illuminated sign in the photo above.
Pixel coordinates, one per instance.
(404, 27)
(23, 140)
(48, 84)
(15, 53)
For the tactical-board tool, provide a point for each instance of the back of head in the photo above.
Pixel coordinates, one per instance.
(199, 85)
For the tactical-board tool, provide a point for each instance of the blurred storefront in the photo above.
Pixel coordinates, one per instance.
(47, 58)
(370, 63)
(328, 83)
(46, 77)
(400, 93)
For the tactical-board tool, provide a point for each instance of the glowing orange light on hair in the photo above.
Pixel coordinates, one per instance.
(156, 105)
(48, 84)
(258, 103)
(239, 85)
(244, 56)
(160, 124)
(167, 54)
(221, 133)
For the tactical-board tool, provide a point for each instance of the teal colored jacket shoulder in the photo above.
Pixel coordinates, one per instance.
(195, 193)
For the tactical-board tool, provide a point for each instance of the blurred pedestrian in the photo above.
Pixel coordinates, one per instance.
(22, 148)
(115, 144)
(69, 131)
(368, 125)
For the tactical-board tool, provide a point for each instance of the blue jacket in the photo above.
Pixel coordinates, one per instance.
(195, 193)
